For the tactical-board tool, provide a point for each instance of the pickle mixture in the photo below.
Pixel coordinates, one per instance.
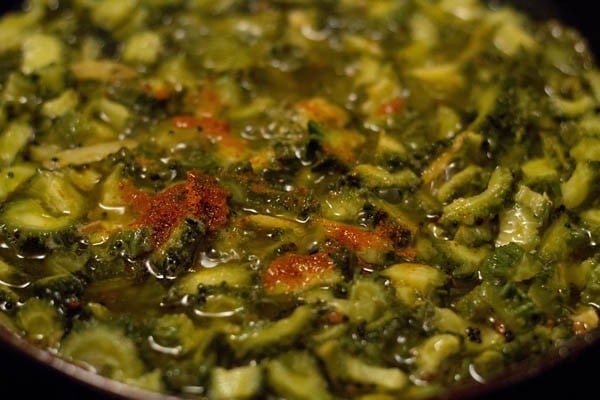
(295, 199)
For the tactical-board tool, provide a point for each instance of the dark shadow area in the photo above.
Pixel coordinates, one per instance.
(9, 5)
(571, 377)
(26, 378)
(579, 14)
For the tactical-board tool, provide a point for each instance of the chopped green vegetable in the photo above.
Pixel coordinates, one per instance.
(522, 223)
(377, 177)
(105, 348)
(414, 281)
(41, 322)
(280, 332)
(576, 190)
(13, 140)
(295, 375)
(13, 177)
(236, 383)
(482, 206)
(434, 351)
(39, 51)
(143, 48)
(347, 368)
(228, 199)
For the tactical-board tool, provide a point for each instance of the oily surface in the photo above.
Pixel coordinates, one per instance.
(296, 199)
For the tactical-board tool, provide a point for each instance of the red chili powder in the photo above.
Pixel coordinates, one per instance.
(358, 239)
(199, 197)
(297, 271)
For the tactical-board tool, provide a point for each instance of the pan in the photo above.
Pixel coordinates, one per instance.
(27, 371)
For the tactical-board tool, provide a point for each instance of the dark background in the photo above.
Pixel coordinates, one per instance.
(577, 377)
